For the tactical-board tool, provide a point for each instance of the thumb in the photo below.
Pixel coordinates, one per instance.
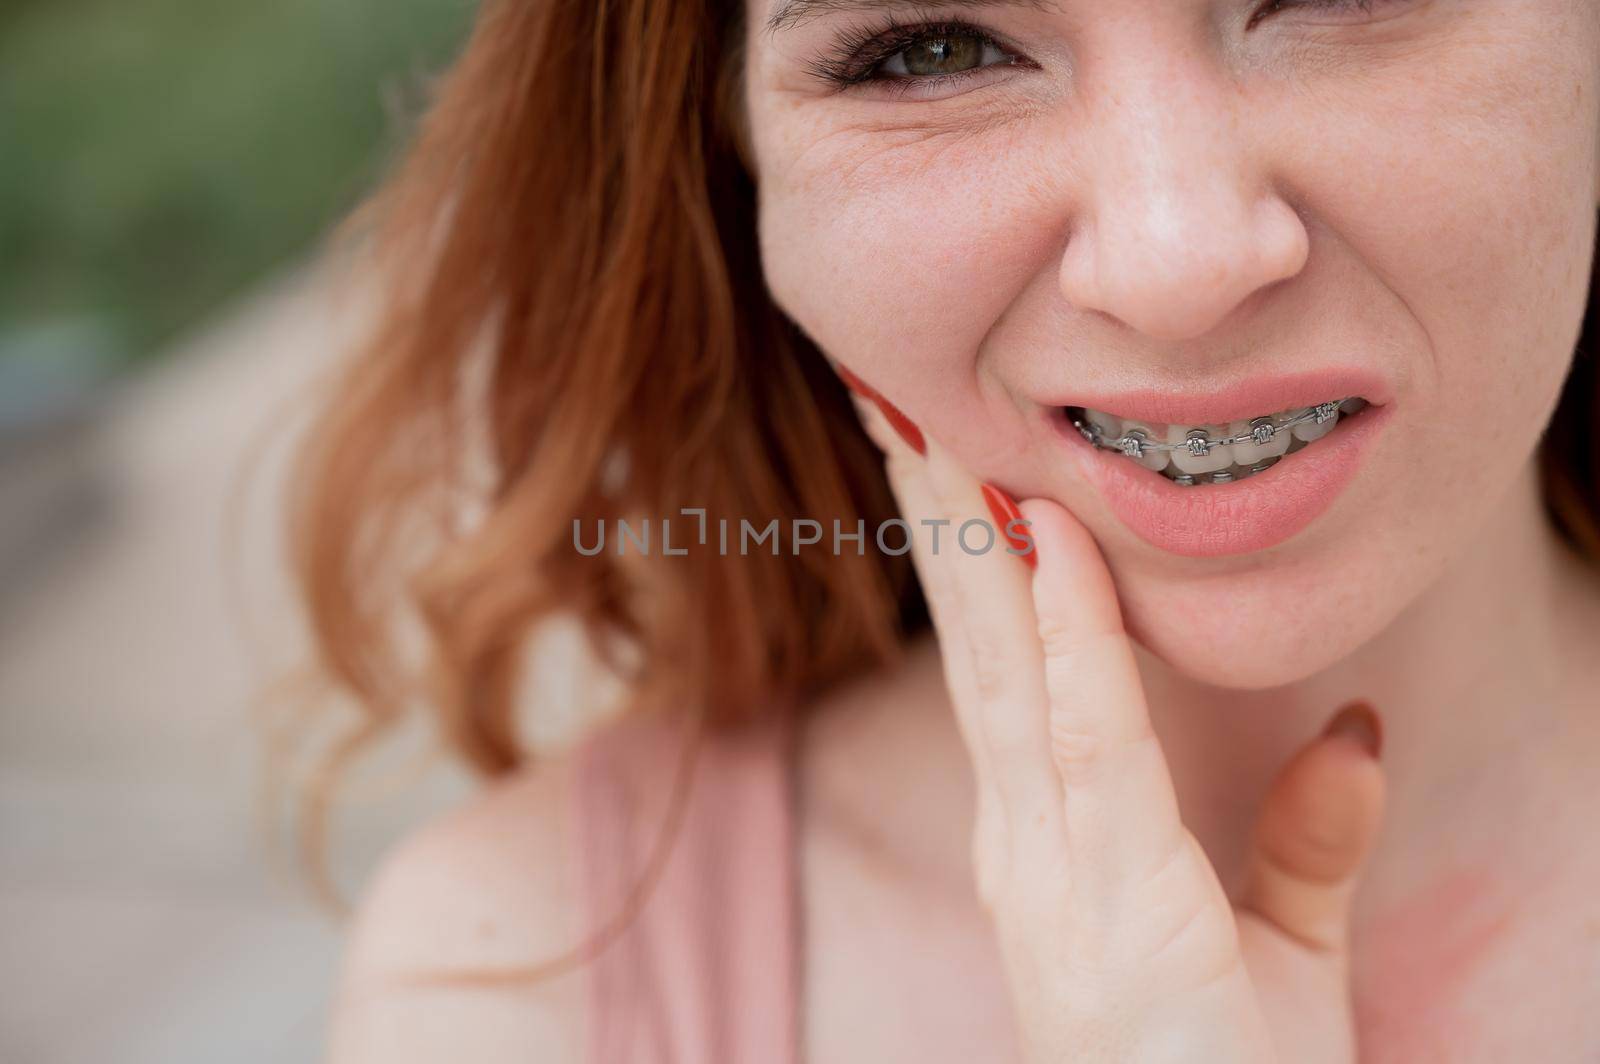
(1314, 832)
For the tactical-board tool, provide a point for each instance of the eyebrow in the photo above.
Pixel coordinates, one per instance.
(790, 13)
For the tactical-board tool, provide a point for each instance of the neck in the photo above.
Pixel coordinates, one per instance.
(1479, 683)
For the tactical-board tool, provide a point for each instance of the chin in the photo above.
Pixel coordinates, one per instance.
(1265, 629)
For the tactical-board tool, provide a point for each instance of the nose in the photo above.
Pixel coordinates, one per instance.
(1178, 221)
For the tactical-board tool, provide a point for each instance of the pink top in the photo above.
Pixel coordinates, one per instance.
(708, 971)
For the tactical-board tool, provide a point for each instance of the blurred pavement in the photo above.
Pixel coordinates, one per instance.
(141, 918)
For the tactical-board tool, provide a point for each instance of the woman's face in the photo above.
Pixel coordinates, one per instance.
(1064, 200)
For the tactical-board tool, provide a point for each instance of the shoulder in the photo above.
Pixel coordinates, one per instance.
(489, 887)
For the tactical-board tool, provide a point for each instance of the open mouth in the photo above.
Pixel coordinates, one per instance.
(1190, 455)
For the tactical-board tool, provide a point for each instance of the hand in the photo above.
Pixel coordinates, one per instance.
(1119, 942)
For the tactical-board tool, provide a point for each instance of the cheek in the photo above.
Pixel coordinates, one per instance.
(893, 251)
(1467, 197)
(1458, 213)
(1470, 192)
(1450, 189)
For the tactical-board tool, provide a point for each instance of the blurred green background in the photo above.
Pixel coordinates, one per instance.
(158, 156)
(169, 170)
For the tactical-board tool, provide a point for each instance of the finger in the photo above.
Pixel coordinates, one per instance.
(907, 474)
(990, 588)
(891, 415)
(1122, 822)
(1316, 827)
(982, 612)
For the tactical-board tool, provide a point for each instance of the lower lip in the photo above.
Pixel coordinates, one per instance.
(1213, 520)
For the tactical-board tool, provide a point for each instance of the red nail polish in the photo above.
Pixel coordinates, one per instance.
(1004, 510)
(856, 384)
(902, 424)
(891, 413)
(1358, 721)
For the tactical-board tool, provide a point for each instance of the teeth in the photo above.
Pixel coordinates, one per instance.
(1110, 425)
(1217, 456)
(1252, 452)
(1192, 454)
(1312, 430)
(1156, 460)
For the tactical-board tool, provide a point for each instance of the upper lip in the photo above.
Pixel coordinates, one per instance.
(1239, 401)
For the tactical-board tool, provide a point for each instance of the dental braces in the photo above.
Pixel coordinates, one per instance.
(1198, 442)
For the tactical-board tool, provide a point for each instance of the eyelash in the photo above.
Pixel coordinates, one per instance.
(859, 51)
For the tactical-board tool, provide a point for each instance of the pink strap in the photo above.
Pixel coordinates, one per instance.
(707, 973)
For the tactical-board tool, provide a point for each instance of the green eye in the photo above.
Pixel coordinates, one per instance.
(942, 54)
(938, 55)
(905, 55)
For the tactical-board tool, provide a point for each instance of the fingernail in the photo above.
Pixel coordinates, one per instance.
(902, 424)
(1004, 510)
(856, 384)
(1358, 721)
(891, 413)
